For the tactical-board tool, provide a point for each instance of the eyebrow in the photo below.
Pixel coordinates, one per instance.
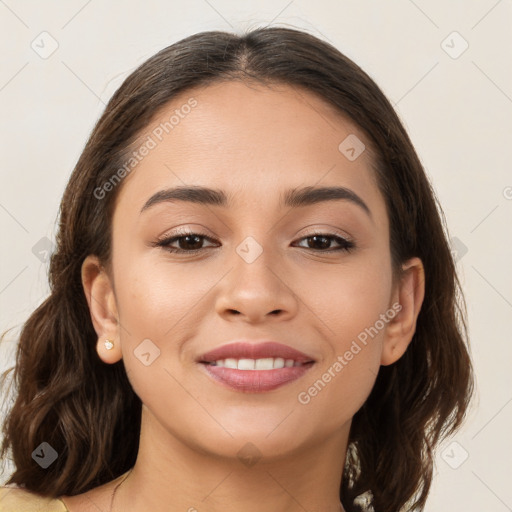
(293, 198)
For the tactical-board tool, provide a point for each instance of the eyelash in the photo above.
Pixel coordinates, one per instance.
(165, 242)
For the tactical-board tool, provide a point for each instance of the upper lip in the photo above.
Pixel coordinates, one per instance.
(246, 350)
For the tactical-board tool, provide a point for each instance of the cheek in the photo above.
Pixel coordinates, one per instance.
(153, 297)
(349, 305)
(338, 390)
(348, 299)
(350, 309)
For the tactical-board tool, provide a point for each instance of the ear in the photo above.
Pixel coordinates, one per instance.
(100, 296)
(409, 293)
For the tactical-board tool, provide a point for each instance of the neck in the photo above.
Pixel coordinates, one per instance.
(181, 477)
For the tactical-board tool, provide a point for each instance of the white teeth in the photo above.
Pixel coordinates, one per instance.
(246, 364)
(278, 362)
(230, 363)
(267, 363)
(264, 364)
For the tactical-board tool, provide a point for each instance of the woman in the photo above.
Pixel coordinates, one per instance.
(253, 301)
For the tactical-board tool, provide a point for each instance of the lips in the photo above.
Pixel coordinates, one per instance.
(245, 350)
(237, 365)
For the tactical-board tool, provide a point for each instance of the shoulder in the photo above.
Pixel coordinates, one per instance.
(15, 499)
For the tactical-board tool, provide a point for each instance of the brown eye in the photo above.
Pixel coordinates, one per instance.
(322, 242)
(186, 242)
(190, 242)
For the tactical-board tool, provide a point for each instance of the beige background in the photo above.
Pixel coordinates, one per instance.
(458, 112)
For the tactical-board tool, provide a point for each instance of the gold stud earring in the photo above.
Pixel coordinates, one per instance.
(109, 345)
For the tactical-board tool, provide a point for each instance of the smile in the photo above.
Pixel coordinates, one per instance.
(254, 367)
(267, 363)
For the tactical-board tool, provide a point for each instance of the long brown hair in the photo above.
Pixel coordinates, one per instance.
(87, 410)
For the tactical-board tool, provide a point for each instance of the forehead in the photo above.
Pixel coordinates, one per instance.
(251, 140)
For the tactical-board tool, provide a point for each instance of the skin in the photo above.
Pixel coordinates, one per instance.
(253, 142)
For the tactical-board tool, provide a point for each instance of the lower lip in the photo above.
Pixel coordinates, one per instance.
(255, 381)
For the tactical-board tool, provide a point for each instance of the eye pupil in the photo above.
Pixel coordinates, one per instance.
(197, 245)
(316, 238)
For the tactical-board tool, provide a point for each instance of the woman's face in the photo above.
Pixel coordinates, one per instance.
(258, 273)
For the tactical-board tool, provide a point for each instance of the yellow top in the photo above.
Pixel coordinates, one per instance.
(15, 499)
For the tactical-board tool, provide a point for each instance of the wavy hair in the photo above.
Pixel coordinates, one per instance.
(87, 410)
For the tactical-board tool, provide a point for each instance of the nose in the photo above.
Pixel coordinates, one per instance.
(255, 291)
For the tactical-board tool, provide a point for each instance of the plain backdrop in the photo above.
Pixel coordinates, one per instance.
(442, 64)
